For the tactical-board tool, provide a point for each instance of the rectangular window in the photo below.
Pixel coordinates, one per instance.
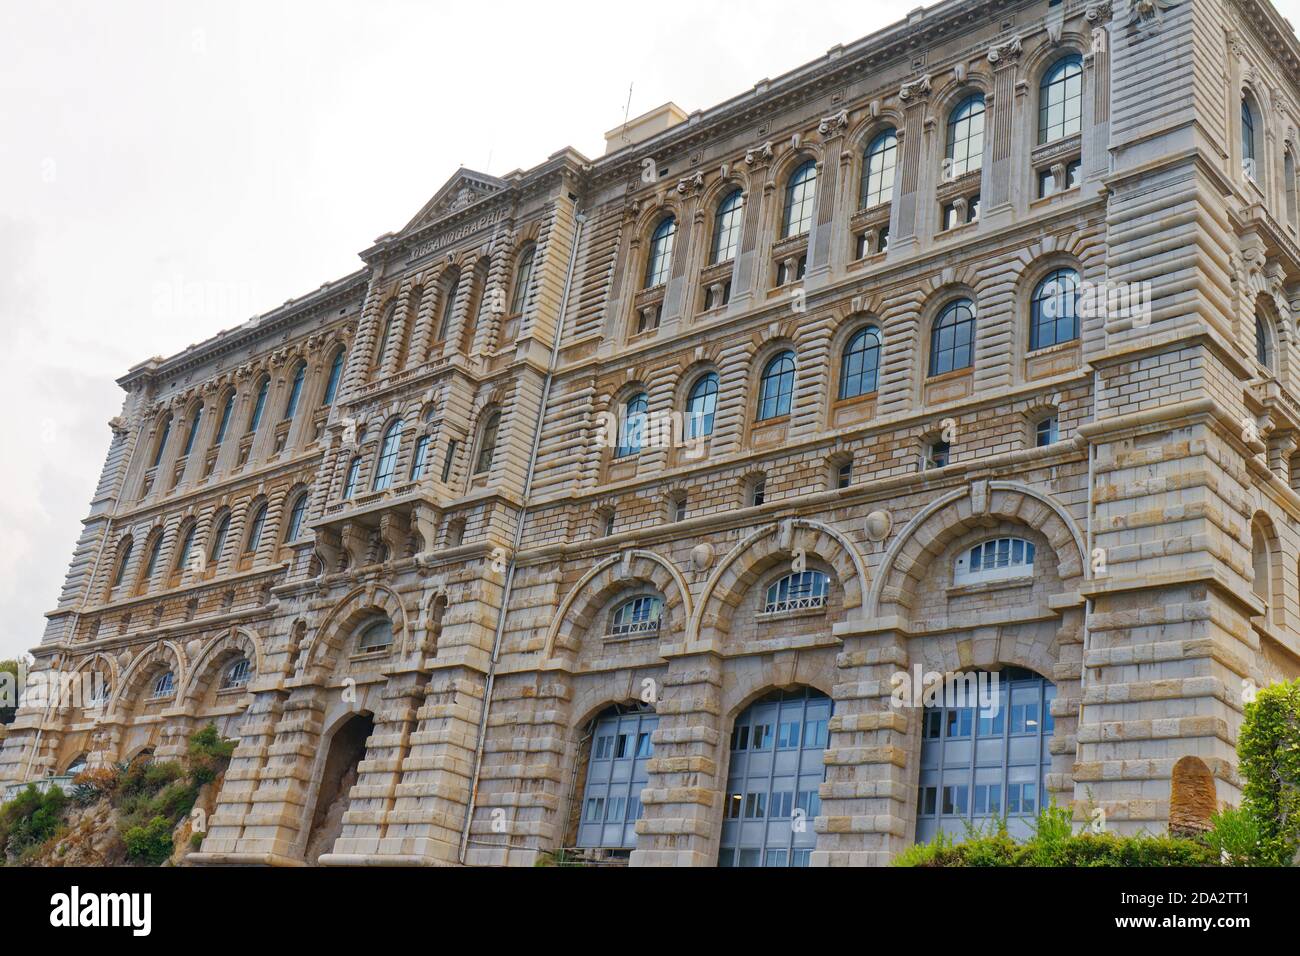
(740, 738)
(814, 734)
(756, 806)
(788, 736)
(449, 460)
(762, 739)
(954, 801)
(604, 747)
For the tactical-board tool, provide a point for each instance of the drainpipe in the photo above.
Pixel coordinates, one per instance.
(580, 220)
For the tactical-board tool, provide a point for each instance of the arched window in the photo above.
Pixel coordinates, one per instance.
(1291, 187)
(259, 407)
(638, 616)
(187, 549)
(1248, 140)
(219, 539)
(985, 755)
(297, 513)
(966, 136)
(295, 391)
(860, 366)
(726, 227)
(661, 253)
(800, 198)
(1055, 310)
(450, 285)
(617, 773)
(226, 411)
(878, 168)
(420, 459)
(1261, 561)
(387, 463)
(336, 373)
(632, 429)
(255, 530)
(952, 340)
(776, 388)
(195, 421)
(523, 278)
(1263, 343)
(353, 475)
(237, 674)
(124, 558)
(776, 771)
(155, 551)
(390, 320)
(702, 406)
(798, 592)
(1060, 100)
(162, 442)
(375, 636)
(487, 445)
(998, 560)
(164, 685)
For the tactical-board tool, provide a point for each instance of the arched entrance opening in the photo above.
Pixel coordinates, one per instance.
(616, 773)
(346, 751)
(773, 783)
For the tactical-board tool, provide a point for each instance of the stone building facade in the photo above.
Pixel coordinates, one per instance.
(602, 509)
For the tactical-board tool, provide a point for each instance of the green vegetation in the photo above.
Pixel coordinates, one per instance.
(30, 819)
(1269, 748)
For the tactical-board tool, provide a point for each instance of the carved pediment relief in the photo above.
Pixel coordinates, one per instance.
(462, 191)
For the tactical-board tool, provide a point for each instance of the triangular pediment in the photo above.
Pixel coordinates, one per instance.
(463, 189)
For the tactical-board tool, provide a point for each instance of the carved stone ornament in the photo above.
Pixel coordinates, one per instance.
(1006, 51)
(916, 89)
(834, 123)
(757, 153)
(1148, 14)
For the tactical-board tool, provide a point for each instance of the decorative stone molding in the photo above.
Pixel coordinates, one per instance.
(757, 154)
(833, 124)
(916, 90)
(1148, 15)
(1006, 51)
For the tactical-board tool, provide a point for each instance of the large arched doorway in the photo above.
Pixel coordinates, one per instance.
(982, 764)
(347, 750)
(773, 784)
(617, 772)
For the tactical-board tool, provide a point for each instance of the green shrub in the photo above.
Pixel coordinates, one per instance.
(196, 840)
(150, 844)
(1269, 748)
(208, 754)
(31, 819)
(1235, 837)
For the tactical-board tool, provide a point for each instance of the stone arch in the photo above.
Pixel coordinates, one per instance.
(580, 606)
(1267, 574)
(748, 561)
(750, 686)
(202, 672)
(165, 653)
(372, 599)
(928, 533)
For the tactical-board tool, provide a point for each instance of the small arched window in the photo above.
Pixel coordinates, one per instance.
(386, 466)
(375, 637)
(1261, 561)
(726, 227)
(878, 168)
(952, 340)
(162, 442)
(798, 592)
(638, 616)
(336, 374)
(1248, 139)
(237, 674)
(353, 476)
(293, 531)
(226, 411)
(965, 151)
(523, 278)
(800, 198)
(776, 388)
(124, 558)
(487, 445)
(1055, 310)
(295, 391)
(195, 421)
(259, 407)
(255, 530)
(450, 285)
(187, 549)
(219, 539)
(632, 430)
(164, 685)
(860, 366)
(1060, 100)
(998, 560)
(1263, 343)
(660, 259)
(702, 406)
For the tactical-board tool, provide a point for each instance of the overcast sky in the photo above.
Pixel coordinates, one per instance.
(170, 169)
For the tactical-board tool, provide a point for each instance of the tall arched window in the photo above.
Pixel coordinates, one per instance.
(487, 444)
(860, 365)
(632, 429)
(336, 374)
(1261, 561)
(187, 549)
(1248, 139)
(1292, 188)
(952, 339)
(450, 284)
(776, 771)
(660, 260)
(702, 406)
(617, 773)
(966, 136)
(1060, 100)
(162, 442)
(420, 458)
(800, 199)
(523, 278)
(776, 388)
(296, 515)
(295, 391)
(124, 558)
(386, 466)
(1263, 342)
(878, 168)
(151, 566)
(195, 421)
(255, 530)
(386, 335)
(227, 410)
(219, 539)
(1055, 310)
(726, 227)
(259, 407)
(353, 476)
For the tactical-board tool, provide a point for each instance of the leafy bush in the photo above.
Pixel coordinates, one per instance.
(1235, 837)
(31, 819)
(208, 754)
(150, 844)
(1269, 748)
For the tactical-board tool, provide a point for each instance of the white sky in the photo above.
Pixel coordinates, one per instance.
(170, 169)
